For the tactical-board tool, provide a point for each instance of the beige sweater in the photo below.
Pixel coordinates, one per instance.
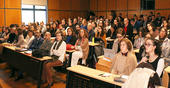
(123, 65)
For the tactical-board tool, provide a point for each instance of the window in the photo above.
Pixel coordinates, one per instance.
(32, 13)
(147, 4)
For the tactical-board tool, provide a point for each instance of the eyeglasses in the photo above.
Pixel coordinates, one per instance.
(148, 44)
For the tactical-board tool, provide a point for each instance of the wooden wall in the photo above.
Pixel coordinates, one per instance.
(127, 7)
(10, 12)
(58, 9)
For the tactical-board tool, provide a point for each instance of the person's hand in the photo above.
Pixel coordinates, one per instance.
(144, 59)
(72, 47)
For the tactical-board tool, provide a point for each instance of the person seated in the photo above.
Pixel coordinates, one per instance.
(124, 62)
(111, 32)
(142, 52)
(165, 42)
(12, 36)
(70, 38)
(47, 43)
(29, 39)
(82, 48)
(120, 36)
(21, 42)
(153, 52)
(4, 35)
(91, 33)
(36, 43)
(57, 52)
(139, 41)
(101, 34)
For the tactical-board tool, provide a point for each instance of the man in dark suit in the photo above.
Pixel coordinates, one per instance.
(128, 28)
(37, 42)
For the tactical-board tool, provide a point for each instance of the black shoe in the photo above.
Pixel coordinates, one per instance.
(49, 85)
(11, 75)
(18, 78)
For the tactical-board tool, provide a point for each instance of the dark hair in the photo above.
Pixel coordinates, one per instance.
(102, 32)
(128, 43)
(73, 33)
(157, 44)
(121, 31)
(20, 31)
(141, 29)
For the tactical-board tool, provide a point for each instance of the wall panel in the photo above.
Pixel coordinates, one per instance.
(65, 4)
(13, 16)
(93, 4)
(162, 4)
(53, 4)
(1, 3)
(1, 17)
(102, 5)
(12, 3)
(111, 4)
(133, 4)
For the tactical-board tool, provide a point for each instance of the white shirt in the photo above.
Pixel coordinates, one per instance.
(60, 51)
(28, 40)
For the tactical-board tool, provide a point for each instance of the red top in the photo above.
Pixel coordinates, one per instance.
(125, 29)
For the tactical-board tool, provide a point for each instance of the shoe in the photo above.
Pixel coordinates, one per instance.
(18, 78)
(11, 75)
(49, 85)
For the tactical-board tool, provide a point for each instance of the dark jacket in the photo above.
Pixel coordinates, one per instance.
(91, 35)
(71, 41)
(36, 43)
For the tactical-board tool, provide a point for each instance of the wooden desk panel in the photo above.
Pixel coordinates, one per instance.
(90, 77)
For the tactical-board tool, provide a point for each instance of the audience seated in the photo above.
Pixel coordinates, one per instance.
(20, 41)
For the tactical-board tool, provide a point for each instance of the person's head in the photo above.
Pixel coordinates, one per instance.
(126, 21)
(47, 36)
(19, 31)
(163, 33)
(77, 27)
(70, 31)
(125, 45)
(6, 30)
(82, 34)
(59, 35)
(156, 32)
(54, 25)
(141, 32)
(84, 22)
(30, 33)
(165, 23)
(150, 26)
(115, 21)
(63, 22)
(37, 34)
(152, 46)
(120, 34)
(100, 23)
(93, 24)
(75, 21)
(89, 27)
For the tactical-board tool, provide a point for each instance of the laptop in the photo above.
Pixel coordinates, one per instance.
(108, 53)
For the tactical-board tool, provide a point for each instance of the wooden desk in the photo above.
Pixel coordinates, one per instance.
(84, 77)
(25, 63)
